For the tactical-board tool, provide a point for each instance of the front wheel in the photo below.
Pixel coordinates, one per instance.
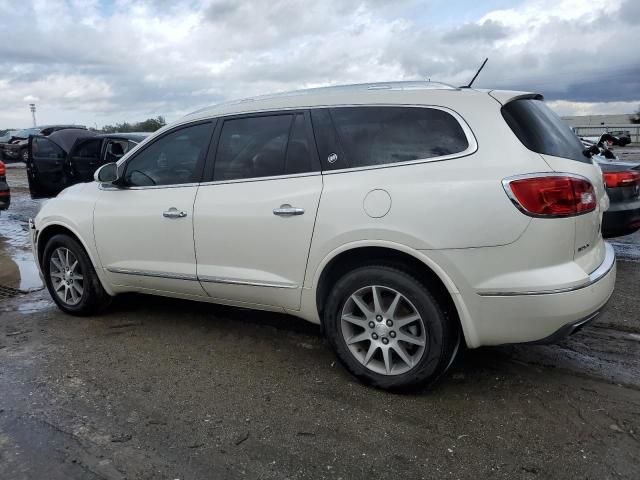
(388, 330)
(70, 277)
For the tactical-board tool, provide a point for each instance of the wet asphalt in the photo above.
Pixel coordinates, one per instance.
(161, 388)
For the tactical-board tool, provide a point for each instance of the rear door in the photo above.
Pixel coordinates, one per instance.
(254, 220)
(84, 159)
(45, 167)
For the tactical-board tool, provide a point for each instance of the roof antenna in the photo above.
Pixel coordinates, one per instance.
(476, 75)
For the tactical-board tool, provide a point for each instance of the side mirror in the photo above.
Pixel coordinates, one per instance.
(107, 173)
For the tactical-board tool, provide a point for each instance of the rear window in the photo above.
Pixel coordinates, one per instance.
(542, 131)
(372, 136)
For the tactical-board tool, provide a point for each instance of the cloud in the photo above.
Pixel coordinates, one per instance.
(99, 61)
(486, 32)
(567, 108)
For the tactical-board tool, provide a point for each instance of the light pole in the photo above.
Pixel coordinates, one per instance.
(32, 107)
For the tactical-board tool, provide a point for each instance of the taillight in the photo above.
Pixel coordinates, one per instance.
(551, 195)
(3, 170)
(621, 179)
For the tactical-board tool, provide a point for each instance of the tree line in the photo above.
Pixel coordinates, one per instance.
(148, 125)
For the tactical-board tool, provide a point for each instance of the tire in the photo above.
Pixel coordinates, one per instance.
(408, 364)
(24, 155)
(86, 295)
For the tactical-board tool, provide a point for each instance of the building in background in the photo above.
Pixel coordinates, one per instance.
(595, 120)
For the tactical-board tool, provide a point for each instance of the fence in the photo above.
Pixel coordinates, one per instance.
(597, 130)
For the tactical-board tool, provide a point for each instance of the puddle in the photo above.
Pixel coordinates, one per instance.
(627, 251)
(17, 266)
(26, 306)
(19, 271)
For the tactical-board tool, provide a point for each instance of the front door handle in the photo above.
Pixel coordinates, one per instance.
(173, 212)
(287, 210)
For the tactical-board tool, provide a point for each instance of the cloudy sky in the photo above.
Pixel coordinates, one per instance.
(98, 62)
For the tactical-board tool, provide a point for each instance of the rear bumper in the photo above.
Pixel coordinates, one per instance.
(544, 316)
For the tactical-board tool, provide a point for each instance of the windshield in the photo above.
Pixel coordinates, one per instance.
(541, 130)
(26, 132)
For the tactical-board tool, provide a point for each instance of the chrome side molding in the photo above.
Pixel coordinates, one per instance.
(202, 278)
(148, 273)
(233, 281)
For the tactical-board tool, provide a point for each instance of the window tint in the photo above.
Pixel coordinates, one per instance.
(384, 135)
(298, 152)
(45, 148)
(254, 147)
(172, 159)
(331, 155)
(541, 130)
(89, 149)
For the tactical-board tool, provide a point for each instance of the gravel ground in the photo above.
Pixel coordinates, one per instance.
(161, 388)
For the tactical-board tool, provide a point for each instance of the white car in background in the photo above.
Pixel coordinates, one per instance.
(403, 217)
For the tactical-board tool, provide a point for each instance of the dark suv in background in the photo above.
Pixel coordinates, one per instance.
(16, 148)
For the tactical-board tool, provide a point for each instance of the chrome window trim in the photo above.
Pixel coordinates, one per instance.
(203, 278)
(262, 179)
(470, 150)
(595, 276)
(233, 281)
(472, 146)
(506, 185)
(108, 186)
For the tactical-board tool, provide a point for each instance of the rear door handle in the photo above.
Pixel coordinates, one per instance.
(287, 210)
(173, 212)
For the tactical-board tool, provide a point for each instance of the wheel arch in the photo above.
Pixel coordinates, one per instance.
(55, 228)
(422, 267)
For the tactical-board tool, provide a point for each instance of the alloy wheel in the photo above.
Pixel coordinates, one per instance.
(66, 276)
(383, 330)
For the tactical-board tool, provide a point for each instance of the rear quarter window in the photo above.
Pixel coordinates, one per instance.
(541, 130)
(371, 136)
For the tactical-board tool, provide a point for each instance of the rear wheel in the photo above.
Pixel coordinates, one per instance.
(70, 277)
(388, 330)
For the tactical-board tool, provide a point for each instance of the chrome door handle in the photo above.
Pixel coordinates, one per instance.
(287, 210)
(173, 212)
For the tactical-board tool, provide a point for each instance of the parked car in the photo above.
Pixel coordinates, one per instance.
(622, 182)
(5, 137)
(71, 156)
(5, 192)
(16, 148)
(402, 217)
(623, 188)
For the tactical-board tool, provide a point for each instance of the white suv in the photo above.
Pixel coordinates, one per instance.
(402, 217)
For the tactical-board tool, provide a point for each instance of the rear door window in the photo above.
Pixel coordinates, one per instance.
(263, 146)
(371, 136)
(541, 130)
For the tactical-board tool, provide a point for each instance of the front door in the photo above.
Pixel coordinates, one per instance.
(144, 227)
(253, 223)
